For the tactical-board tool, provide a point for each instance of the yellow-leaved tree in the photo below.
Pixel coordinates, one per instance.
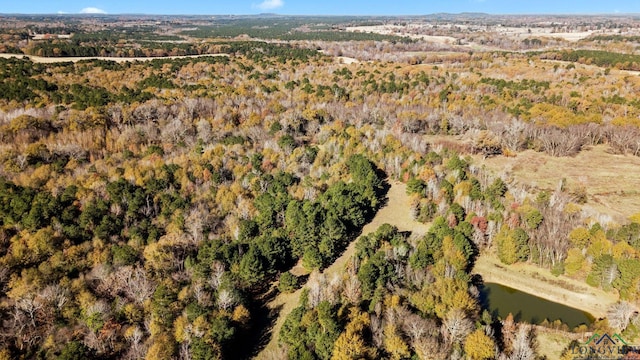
(350, 344)
(394, 343)
(479, 346)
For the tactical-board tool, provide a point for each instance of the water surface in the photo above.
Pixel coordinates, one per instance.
(501, 300)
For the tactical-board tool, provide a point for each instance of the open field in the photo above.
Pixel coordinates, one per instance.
(534, 280)
(551, 343)
(407, 31)
(521, 32)
(416, 31)
(606, 177)
(347, 60)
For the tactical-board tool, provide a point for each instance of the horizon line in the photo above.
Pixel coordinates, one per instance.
(329, 15)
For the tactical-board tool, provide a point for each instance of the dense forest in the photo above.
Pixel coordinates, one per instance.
(150, 209)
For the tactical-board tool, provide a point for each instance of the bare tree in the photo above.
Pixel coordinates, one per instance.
(317, 286)
(185, 351)
(558, 142)
(56, 295)
(522, 344)
(512, 135)
(203, 129)
(137, 348)
(620, 314)
(217, 271)
(30, 306)
(377, 330)
(456, 326)
(624, 139)
(591, 133)
(352, 290)
(203, 297)
(226, 299)
(130, 282)
(174, 132)
(550, 237)
(418, 327)
(194, 223)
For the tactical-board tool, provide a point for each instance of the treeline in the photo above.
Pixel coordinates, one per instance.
(597, 57)
(614, 38)
(260, 51)
(116, 34)
(536, 87)
(62, 48)
(343, 36)
(289, 29)
(23, 89)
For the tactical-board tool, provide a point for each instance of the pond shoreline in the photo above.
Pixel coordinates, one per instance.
(501, 300)
(539, 282)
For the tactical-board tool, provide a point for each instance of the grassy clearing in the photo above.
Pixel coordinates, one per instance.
(551, 343)
(610, 180)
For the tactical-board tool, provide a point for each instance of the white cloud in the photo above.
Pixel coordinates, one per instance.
(92, 10)
(270, 4)
(61, 12)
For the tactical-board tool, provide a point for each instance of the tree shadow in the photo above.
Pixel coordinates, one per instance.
(252, 340)
(383, 191)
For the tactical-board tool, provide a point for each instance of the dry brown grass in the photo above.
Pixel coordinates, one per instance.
(612, 182)
(551, 344)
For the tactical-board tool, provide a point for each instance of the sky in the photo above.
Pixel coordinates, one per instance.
(314, 7)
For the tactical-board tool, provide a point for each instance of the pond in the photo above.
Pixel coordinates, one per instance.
(501, 300)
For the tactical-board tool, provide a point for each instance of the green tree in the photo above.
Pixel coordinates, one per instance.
(604, 272)
(252, 267)
(533, 218)
(288, 282)
(574, 262)
(512, 245)
(415, 186)
(627, 282)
